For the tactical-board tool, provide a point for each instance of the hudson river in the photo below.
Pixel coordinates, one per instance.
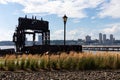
(7, 47)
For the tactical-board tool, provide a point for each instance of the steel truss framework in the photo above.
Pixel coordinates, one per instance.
(30, 26)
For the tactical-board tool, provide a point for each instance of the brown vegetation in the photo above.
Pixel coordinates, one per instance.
(71, 61)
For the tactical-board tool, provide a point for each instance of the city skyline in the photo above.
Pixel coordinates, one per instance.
(101, 37)
(84, 17)
(102, 40)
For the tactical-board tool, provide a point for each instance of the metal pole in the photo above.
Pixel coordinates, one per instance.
(64, 33)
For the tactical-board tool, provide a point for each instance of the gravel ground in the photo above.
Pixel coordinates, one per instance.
(61, 75)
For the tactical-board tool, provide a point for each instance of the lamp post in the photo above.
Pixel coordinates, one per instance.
(65, 20)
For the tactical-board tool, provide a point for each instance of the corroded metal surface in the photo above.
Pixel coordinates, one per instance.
(30, 26)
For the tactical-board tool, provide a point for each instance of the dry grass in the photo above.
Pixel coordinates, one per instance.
(71, 61)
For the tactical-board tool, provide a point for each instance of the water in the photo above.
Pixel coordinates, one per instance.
(90, 51)
(7, 47)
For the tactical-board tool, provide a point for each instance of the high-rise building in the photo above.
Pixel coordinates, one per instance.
(88, 38)
(104, 38)
(100, 38)
(111, 39)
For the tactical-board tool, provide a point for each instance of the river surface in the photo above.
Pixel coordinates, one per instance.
(95, 52)
(7, 47)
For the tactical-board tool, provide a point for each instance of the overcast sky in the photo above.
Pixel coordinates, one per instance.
(85, 17)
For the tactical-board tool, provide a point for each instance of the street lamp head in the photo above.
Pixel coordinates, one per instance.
(65, 18)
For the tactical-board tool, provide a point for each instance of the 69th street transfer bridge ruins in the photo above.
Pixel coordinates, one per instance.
(33, 26)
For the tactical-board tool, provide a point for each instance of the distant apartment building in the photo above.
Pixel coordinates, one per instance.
(111, 39)
(104, 38)
(87, 38)
(100, 38)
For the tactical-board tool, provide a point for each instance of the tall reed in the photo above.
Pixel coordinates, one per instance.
(71, 61)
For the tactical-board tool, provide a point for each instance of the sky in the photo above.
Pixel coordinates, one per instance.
(85, 17)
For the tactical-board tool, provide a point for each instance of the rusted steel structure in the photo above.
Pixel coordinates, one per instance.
(30, 26)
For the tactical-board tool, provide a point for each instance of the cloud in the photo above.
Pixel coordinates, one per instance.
(73, 8)
(112, 29)
(57, 34)
(80, 33)
(74, 34)
(3, 2)
(6, 36)
(76, 20)
(111, 9)
(93, 17)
